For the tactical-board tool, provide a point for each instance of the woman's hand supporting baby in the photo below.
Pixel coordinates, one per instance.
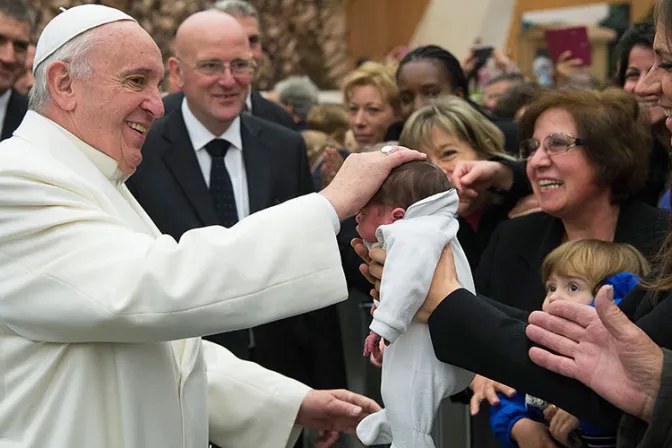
(443, 284)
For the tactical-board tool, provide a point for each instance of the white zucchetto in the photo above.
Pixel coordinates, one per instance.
(71, 23)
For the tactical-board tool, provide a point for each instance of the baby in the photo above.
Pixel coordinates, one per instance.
(574, 271)
(413, 218)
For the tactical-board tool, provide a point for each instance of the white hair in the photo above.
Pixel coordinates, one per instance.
(236, 8)
(74, 53)
(299, 92)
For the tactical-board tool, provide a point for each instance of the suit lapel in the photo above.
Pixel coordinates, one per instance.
(256, 157)
(16, 109)
(181, 160)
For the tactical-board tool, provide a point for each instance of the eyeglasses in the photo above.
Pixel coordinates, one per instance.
(238, 67)
(553, 144)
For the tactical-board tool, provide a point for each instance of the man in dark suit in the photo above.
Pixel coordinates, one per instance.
(248, 17)
(207, 164)
(16, 24)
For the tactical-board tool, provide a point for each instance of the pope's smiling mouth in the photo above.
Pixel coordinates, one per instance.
(137, 127)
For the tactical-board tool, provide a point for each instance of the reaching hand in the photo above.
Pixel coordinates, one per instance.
(502, 61)
(527, 205)
(443, 284)
(567, 66)
(485, 388)
(361, 176)
(372, 345)
(601, 348)
(469, 62)
(325, 439)
(473, 177)
(334, 410)
(332, 161)
(371, 269)
(561, 425)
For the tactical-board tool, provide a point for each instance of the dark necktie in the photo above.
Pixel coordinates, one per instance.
(221, 188)
(221, 192)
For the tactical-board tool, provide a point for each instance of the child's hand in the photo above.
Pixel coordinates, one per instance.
(372, 345)
(562, 424)
(486, 389)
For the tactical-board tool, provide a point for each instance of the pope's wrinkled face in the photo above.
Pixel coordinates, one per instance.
(119, 102)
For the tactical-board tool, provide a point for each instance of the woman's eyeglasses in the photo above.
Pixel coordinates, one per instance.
(553, 144)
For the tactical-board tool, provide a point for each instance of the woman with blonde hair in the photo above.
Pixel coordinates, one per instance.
(371, 96)
(450, 130)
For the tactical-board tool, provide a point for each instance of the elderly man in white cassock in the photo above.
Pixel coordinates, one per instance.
(100, 314)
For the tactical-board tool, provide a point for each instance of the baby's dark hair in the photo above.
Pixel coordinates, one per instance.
(410, 183)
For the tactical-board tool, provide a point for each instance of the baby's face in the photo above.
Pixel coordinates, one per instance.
(574, 289)
(373, 216)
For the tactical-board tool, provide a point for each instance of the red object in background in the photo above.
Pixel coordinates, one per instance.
(574, 39)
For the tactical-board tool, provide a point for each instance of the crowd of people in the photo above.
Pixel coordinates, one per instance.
(137, 219)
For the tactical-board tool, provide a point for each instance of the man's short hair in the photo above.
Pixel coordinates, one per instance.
(410, 183)
(515, 98)
(237, 8)
(299, 92)
(508, 77)
(17, 9)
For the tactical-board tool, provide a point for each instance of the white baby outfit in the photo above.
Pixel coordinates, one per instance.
(414, 382)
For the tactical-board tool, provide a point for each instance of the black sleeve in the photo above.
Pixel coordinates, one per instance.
(469, 332)
(485, 267)
(520, 187)
(656, 322)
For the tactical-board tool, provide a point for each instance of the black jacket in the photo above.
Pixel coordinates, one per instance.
(510, 268)
(169, 185)
(261, 108)
(16, 109)
(488, 338)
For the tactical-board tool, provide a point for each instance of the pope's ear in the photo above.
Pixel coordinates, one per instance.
(59, 83)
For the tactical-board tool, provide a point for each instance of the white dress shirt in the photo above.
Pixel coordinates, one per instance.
(200, 136)
(248, 101)
(4, 102)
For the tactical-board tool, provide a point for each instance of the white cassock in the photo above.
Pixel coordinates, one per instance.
(91, 293)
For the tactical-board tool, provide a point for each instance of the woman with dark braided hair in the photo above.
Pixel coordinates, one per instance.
(428, 72)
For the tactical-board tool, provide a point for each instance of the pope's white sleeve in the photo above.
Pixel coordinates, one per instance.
(412, 255)
(250, 406)
(69, 272)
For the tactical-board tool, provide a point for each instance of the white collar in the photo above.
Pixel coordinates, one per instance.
(104, 163)
(248, 100)
(444, 203)
(201, 136)
(4, 99)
